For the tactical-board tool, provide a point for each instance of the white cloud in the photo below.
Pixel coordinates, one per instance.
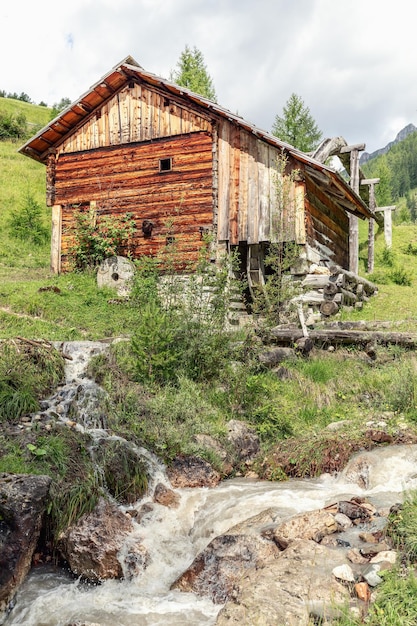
(352, 62)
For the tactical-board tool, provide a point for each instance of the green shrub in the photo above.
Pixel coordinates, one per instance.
(98, 237)
(27, 223)
(28, 371)
(387, 257)
(181, 324)
(400, 276)
(124, 473)
(12, 126)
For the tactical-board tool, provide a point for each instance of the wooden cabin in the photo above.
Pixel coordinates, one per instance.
(184, 166)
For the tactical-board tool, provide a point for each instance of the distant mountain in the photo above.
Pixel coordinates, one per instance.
(407, 130)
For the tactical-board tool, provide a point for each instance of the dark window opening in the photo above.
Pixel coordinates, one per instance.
(170, 240)
(165, 165)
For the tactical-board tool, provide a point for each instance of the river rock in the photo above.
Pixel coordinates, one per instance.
(217, 570)
(23, 500)
(287, 588)
(371, 575)
(165, 496)
(344, 572)
(312, 525)
(243, 440)
(91, 545)
(192, 471)
(363, 592)
(388, 556)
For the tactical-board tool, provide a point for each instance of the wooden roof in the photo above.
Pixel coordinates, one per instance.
(77, 113)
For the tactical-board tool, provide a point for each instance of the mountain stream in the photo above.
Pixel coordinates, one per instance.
(173, 537)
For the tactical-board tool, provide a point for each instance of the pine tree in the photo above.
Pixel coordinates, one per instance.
(297, 126)
(192, 73)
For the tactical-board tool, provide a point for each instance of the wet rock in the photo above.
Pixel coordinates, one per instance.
(353, 510)
(343, 521)
(91, 546)
(192, 471)
(243, 440)
(218, 569)
(371, 550)
(368, 537)
(313, 525)
(287, 589)
(344, 573)
(363, 592)
(23, 500)
(166, 497)
(371, 575)
(389, 556)
(379, 436)
(356, 557)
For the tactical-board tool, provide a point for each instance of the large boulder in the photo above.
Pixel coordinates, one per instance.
(312, 525)
(23, 500)
(192, 471)
(92, 545)
(289, 589)
(243, 440)
(217, 570)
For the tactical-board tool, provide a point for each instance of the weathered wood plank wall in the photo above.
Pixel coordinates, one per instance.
(128, 179)
(135, 114)
(249, 205)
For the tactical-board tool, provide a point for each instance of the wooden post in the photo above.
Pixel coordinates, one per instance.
(371, 229)
(353, 219)
(56, 238)
(387, 223)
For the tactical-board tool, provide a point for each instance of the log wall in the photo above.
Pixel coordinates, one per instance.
(327, 227)
(128, 179)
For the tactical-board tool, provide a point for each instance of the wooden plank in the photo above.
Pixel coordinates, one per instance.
(263, 181)
(253, 195)
(224, 182)
(275, 213)
(56, 238)
(243, 186)
(234, 185)
(300, 231)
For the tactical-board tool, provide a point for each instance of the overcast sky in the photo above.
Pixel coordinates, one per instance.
(353, 62)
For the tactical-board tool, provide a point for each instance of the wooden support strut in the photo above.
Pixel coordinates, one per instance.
(353, 220)
(387, 223)
(371, 230)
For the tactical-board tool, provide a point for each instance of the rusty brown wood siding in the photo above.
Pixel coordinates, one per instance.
(327, 230)
(135, 114)
(127, 179)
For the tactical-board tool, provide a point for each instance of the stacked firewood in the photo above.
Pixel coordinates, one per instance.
(329, 289)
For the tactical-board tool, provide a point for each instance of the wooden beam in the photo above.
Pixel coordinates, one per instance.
(370, 181)
(358, 146)
(387, 223)
(353, 220)
(56, 238)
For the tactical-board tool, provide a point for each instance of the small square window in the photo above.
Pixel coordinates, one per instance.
(165, 165)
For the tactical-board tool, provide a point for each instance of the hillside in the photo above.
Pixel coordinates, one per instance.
(403, 134)
(397, 169)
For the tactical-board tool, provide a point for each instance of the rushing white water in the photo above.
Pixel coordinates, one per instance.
(173, 537)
